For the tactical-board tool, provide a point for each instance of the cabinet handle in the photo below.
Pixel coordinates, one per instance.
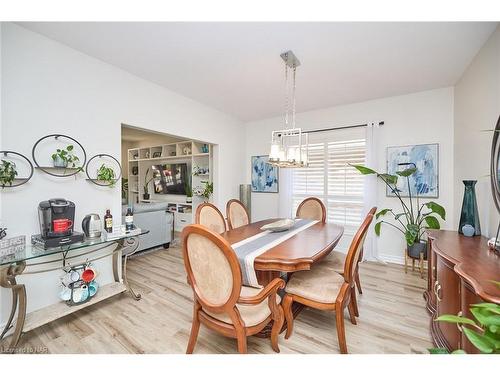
(437, 288)
(458, 325)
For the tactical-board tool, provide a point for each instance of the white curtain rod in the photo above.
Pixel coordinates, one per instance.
(340, 127)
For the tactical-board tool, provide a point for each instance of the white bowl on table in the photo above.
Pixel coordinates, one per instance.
(279, 225)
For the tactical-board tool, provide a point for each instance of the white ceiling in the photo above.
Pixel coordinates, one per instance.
(236, 67)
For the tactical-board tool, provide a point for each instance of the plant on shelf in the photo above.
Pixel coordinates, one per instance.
(8, 173)
(189, 190)
(484, 333)
(65, 157)
(206, 191)
(124, 190)
(415, 218)
(107, 175)
(145, 196)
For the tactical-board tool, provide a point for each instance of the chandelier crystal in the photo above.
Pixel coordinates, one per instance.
(289, 147)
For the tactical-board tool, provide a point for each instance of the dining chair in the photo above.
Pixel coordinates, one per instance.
(209, 216)
(312, 208)
(221, 303)
(237, 214)
(324, 289)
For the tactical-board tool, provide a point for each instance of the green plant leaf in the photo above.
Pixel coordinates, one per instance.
(411, 233)
(389, 178)
(382, 212)
(432, 222)
(377, 228)
(478, 340)
(438, 351)
(407, 172)
(69, 148)
(397, 216)
(485, 317)
(459, 351)
(455, 319)
(362, 169)
(436, 208)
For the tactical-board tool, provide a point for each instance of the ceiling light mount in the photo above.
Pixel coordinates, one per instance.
(290, 59)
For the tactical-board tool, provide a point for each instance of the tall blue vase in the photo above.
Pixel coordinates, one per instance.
(470, 214)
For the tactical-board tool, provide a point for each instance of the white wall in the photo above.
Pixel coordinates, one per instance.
(477, 107)
(50, 88)
(424, 117)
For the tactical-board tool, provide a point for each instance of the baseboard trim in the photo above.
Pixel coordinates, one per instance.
(395, 259)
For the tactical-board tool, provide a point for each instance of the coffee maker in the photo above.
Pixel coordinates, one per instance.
(56, 218)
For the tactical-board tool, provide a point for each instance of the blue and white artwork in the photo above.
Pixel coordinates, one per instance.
(425, 182)
(264, 175)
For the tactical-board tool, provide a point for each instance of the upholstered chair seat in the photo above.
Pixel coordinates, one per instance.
(320, 284)
(251, 315)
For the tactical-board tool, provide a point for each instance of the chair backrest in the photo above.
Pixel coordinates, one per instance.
(209, 216)
(212, 268)
(312, 208)
(356, 247)
(237, 214)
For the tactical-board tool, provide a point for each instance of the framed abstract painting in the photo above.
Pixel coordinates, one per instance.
(264, 175)
(424, 182)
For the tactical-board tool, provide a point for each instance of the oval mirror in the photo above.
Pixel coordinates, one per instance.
(495, 164)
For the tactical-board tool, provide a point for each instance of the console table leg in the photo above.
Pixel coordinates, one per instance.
(129, 247)
(8, 280)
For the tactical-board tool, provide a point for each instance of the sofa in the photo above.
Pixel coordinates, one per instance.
(155, 218)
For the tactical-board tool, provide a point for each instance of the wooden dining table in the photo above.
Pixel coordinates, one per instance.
(297, 253)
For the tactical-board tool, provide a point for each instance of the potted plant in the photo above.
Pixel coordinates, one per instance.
(124, 190)
(189, 191)
(106, 174)
(8, 173)
(146, 195)
(206, 191)
(484, 331)
(414, 219)
(64, 157)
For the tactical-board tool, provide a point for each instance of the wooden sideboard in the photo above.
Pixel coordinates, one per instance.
(460, 269)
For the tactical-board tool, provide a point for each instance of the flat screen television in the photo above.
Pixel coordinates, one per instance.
(170, 178)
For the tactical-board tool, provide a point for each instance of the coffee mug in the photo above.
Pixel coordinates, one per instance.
(61, 225)
(65, 294)
(85, 293)
(88, 275)
(93, 286)
(70, 277)
(77, 295)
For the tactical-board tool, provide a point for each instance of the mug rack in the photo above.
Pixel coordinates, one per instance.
(79, 285)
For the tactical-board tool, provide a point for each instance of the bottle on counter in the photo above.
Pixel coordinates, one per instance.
(129, 219)
(108, 222)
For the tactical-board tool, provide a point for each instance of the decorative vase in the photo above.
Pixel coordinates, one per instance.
(145, 196)
(470, 214)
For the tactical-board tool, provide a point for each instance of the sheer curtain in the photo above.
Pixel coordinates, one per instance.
(370, 251)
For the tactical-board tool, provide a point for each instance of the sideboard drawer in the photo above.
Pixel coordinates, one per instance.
(182, 220)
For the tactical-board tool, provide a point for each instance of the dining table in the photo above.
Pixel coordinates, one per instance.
(299, 250)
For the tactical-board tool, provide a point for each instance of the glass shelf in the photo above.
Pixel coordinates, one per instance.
(33, 251)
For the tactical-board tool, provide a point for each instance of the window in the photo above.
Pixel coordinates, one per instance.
(330, 178)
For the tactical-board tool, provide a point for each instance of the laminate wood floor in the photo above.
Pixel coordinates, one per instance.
(393, 318)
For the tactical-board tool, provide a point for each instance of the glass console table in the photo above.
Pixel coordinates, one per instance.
(33, 260)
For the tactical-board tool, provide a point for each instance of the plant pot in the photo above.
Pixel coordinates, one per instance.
(145, 196)
(414, 250)
(60, 163)
(189, 199)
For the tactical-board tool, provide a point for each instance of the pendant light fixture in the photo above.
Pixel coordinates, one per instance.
(289, 146)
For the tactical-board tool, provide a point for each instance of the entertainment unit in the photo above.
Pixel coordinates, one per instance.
(172, 169)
